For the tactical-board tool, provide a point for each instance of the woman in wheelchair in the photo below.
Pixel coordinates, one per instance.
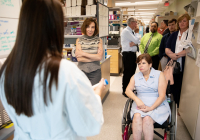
(150, 104)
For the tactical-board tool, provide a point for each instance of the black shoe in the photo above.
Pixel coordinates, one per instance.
(123, 93)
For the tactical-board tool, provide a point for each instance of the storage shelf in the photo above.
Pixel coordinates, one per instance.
(114, 35)
(75, 21)
(68, 48)
(115, 20)
(114, 9)
(82, 16)
(72, 36)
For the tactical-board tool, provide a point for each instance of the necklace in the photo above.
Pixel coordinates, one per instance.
(146, 77)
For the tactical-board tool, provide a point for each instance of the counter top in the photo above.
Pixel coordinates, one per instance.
(108, 56)
(113, 47)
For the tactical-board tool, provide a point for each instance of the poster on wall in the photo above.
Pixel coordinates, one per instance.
(8, 32)
(10, 8)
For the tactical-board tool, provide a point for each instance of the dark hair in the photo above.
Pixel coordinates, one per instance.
(166, 22)
(181, 18)
(38, 46)
(154, 22)
(172, 20)
(86, 23)
(144, 56)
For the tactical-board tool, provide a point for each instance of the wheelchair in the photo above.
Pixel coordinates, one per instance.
(169, 126)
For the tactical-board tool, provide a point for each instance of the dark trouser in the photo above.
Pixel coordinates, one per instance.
(155, 60)
(176, 88)
(129, 62)
(94, 76)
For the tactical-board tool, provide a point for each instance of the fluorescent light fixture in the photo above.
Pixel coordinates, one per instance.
(124, 3)
(136, 3)
(141, 2)
(144, 13)
(148, 9)
(130, 9)
(137, 14)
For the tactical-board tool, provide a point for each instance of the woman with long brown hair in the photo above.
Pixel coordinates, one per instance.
(46, 96)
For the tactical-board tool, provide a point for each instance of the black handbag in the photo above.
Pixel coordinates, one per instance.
(177, 68)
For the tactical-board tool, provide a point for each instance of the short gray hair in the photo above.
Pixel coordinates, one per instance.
(131, 19)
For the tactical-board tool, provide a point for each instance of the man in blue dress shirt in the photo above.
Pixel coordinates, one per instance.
(129, 42)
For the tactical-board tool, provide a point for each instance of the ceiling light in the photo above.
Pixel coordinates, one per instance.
(148, 9)
(147, 2)
(136, 3)
(124, 3)
(166, 3)
(130, 9)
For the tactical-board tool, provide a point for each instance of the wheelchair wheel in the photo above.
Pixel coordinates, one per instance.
(125, 112)
(127, 132)
(173, 121)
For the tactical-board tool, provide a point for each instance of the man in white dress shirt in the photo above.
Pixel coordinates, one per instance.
(129, 42)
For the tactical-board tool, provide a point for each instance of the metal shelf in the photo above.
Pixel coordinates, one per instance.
(114, 9)
(114, 34)
(72, 36)
(115, 20)
(75, 21)
(68, 48)
(82, 16)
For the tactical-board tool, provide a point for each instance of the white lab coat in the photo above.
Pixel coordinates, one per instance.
(76, 111)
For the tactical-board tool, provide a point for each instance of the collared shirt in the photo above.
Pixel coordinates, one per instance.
(163, 45)
(127, 37)
(154, 45)
(161, 31)
(74, 114)
(166, 31)
(180, 44)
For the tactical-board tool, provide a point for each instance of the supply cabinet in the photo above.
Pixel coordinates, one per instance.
(114, 60)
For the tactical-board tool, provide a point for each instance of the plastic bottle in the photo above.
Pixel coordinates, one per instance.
(169, 98)
(105, 53)
(69, 57)
(105, 83)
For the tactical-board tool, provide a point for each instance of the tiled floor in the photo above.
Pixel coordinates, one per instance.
(113, 108)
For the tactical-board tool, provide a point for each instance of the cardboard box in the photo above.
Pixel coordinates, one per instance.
(80, 10)
(88, 9)
(81, 2)
(91, 2)
(111, 3)
(93, 10)
(171, 13)
(69, 11)
(73, 11)
(125, 12)
(74, 3)
(64, 11)
(106, 2)
(68, 3)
